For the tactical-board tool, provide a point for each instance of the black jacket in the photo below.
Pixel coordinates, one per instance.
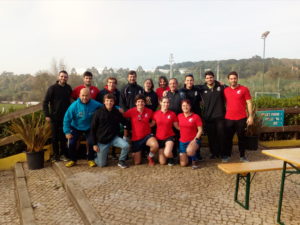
(175, 101)
(100, 96)
(151, 100)
(59, 98)
(214, 103)
(128, 94)
(106, 125)
(194, 96)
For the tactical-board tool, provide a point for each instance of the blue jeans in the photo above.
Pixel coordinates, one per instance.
(104, 148)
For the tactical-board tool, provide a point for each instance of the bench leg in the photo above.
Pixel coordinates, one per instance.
(240, 177)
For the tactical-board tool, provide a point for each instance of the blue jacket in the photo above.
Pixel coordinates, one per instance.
(80, 115)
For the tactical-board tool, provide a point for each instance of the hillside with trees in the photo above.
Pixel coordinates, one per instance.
(281, 75)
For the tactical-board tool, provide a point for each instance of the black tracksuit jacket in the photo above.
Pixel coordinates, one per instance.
(106, 125)
(194, 96)
(214, 103)
(59, 98)
(128, 94)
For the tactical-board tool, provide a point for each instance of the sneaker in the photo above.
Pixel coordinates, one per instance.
(244, 159)
(122, 164)
(150, 161)
(63, 158)
(70, 164)
(194, 165)
(171, 162)
(225, 159)
(91, 163)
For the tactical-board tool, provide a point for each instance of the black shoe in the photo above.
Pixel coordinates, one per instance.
(171, 162)
(200, 159)
(122, 164)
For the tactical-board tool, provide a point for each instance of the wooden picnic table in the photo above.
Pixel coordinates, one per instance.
(289, 157)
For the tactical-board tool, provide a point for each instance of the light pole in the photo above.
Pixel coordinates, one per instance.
(264, 36)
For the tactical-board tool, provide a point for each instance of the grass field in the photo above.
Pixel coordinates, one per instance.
(6, 108)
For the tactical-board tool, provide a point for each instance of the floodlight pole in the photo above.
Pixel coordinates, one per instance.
(264, 36)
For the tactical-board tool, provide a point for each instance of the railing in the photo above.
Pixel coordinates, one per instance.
(5, 118)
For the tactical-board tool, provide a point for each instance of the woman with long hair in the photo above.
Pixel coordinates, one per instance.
(150, 95)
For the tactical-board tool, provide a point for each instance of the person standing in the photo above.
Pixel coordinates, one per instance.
(77, 123)
(110, 88)
(105, 130)
(163, 86)
(175, 97)
(237, 99)
(129, 91)
(58, 97)
(192, 93)
(212, 93)
(150, 95)
(87, 83)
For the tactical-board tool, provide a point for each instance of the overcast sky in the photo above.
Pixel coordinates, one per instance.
(133, 33)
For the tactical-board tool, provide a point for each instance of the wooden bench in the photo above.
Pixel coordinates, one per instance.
(244, 170)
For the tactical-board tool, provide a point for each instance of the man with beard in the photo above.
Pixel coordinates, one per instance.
(58, 96)
(237, 99)
(87, 83)
(212, 93)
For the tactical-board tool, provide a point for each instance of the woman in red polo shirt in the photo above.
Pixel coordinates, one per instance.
(140, 117)
(165, 120)
(190, 125)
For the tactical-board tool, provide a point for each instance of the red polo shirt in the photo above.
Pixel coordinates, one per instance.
(160, 91)
(236, 102)
(93, 90)
(188, 126)
(139, 122)
(164, 124)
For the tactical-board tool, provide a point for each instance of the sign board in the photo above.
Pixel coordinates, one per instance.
(272, 118)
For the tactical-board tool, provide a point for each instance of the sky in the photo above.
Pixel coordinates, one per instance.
(132, 33)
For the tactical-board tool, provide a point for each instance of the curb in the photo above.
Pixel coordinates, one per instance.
(22, 196)
(87, 212)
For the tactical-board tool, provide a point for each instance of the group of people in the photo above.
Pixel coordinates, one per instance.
(168, 122)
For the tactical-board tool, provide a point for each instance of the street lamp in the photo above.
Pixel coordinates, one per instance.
(264, 36)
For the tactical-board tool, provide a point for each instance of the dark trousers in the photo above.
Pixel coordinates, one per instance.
(77, 134)
(59, 141)
(232, 127)
(215, 133)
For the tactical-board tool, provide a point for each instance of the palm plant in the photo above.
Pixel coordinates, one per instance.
(32, 130)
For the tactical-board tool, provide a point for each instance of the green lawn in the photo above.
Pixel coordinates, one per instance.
(6, 108)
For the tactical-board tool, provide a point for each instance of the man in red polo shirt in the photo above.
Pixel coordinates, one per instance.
(237, 99)
(87, 83)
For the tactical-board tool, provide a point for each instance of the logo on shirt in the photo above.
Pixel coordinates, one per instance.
(196, 93)
(190, 120)
(205, 92)
(218, 89)
(169, 117)
(238, 92)
(146, 115)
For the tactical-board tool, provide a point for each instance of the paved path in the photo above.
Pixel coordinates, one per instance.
(175, 195)
(8, 208)
(49, 200)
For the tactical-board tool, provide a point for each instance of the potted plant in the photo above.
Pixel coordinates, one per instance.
(253, 131)
(34, 131)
